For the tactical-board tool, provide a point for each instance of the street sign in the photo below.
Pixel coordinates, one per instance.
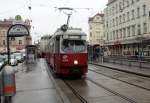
(18, 18)
(18, 30)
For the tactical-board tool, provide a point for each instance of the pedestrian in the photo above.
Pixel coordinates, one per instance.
(136, 55)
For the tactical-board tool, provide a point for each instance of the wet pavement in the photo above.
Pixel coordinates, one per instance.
(139, 95)
(34, 85)
(143, 82)
(93, 93)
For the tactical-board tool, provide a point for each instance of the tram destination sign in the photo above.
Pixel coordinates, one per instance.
(18, 30)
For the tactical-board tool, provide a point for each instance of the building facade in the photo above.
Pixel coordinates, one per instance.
(127, 26)
(96, 29)
(16, 43)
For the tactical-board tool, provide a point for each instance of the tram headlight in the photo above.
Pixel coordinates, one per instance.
(75, 62)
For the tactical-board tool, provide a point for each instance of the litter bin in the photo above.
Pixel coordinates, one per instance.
(1, 83)
(9, 86)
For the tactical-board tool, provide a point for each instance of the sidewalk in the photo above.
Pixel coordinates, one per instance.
(34, 85)
(129, 69)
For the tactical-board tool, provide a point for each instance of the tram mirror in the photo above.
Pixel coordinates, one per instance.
(57, 37)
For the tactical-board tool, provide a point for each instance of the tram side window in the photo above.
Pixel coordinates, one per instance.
(57, 45)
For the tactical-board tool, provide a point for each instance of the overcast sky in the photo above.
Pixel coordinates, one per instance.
(46, 18)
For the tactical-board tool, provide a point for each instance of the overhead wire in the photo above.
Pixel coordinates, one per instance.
(11, 10)
(22, 7)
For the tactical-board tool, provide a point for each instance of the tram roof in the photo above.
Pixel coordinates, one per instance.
(70, 31)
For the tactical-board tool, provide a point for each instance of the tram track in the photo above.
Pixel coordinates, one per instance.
(73, 88)
(112, 91)
(78, 96)
(99, 85)
(121, 80)
(82, 99)
(124, 81)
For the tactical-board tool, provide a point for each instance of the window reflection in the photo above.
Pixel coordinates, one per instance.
(73, 46)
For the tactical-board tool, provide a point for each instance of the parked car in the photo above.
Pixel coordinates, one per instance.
(19, 57)
(24, 55)
(4, 59)
(2, 63)
(13, 60)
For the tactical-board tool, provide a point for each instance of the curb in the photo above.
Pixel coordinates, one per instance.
(63, 97)
(131, 72)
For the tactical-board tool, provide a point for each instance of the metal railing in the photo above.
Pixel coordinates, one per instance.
(129, 60)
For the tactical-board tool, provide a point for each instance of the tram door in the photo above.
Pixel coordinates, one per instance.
(57, 52)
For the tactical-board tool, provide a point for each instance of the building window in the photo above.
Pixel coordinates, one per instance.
(113, 10)
(133, 12)
(128, 16)
(113, 35)
(120, 17)
(120, 6)
(97, 18)
(116, 8)
(133, 30)
(138, 12)
(128, 29)
(20, 42)
(98, 33)
(90, 27)
(124, 18)
(145, 28)
(90, 34)
(127, 3)
(116, 20)
(4, 42)
(12, 38)
(4, 32)
(116, 34)
(124, 32)
(139, 30)
(144, 10)
(132, 1)
(123, 4)
(107, 36)
(113, 22)
(107, 24)
(120, 36)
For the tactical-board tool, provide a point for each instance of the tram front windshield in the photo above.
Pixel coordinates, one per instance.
(73, 46)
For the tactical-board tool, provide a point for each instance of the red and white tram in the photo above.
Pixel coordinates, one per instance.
(67, 52)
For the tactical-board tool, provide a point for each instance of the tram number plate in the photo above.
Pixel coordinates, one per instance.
(75, 68)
